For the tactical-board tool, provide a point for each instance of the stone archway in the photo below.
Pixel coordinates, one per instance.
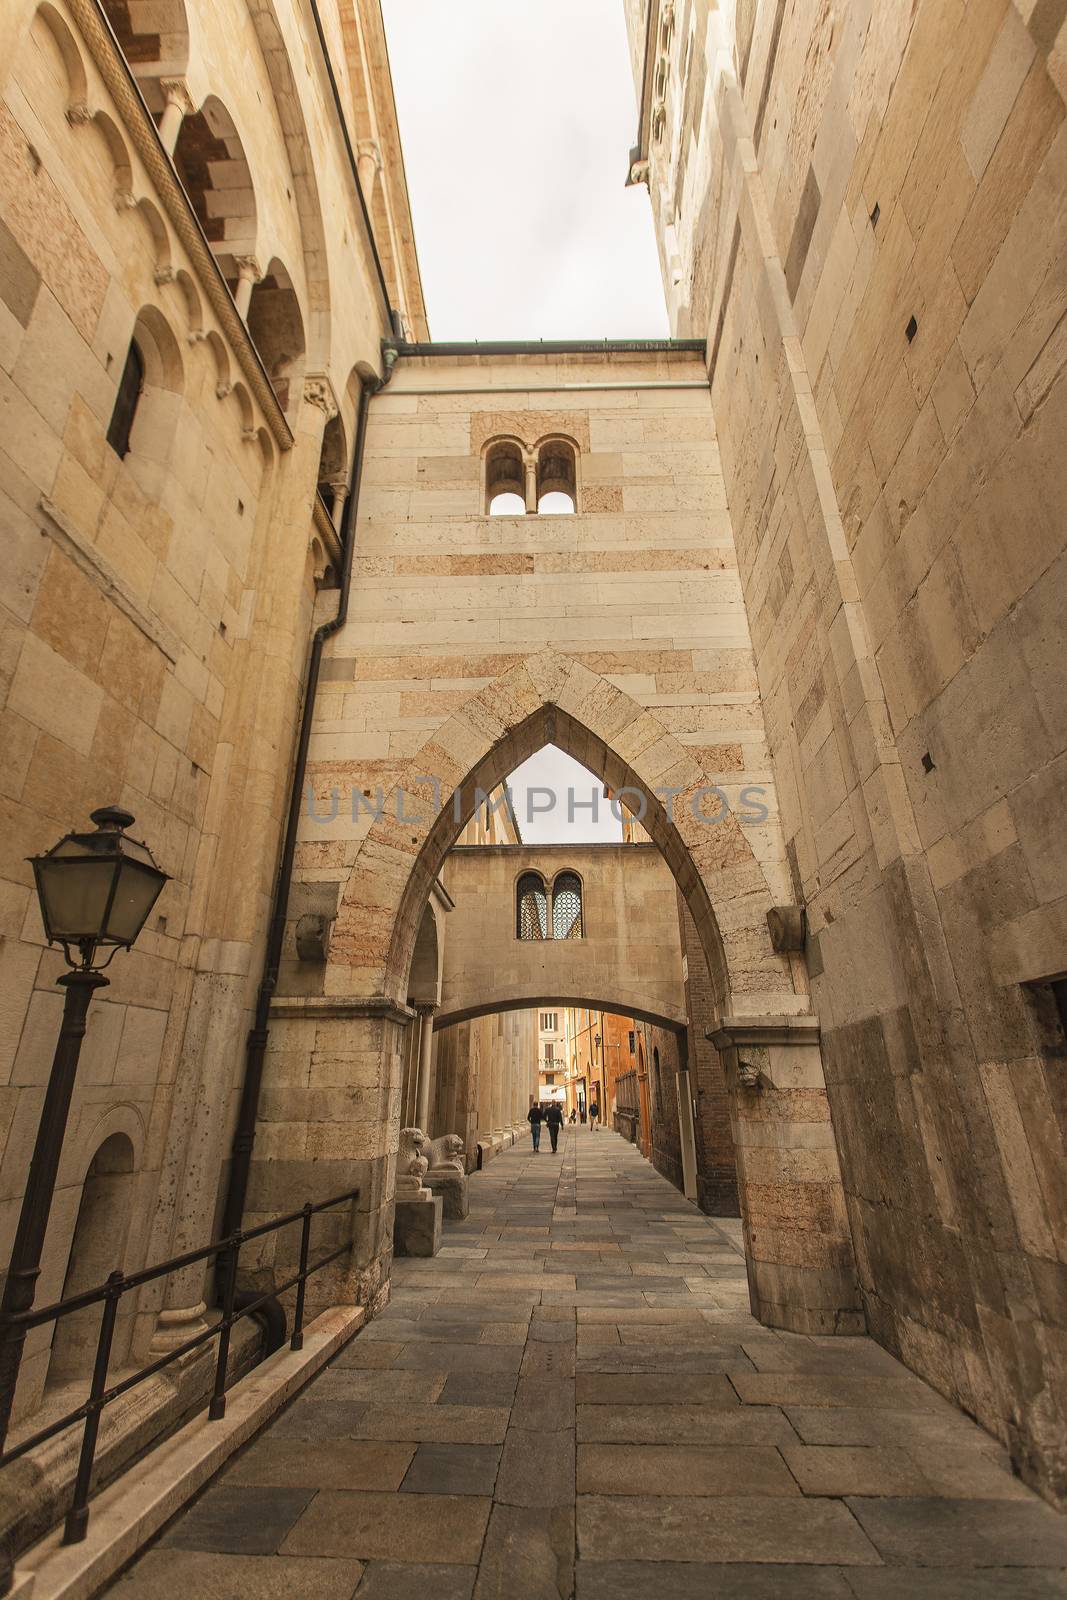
(552, 698)
(801, 1269)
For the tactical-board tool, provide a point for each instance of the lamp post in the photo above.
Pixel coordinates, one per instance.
(95, 892)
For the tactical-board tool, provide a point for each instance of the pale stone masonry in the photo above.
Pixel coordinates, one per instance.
(811, 591)
(441, 682)
(862, 210)
(155, 607)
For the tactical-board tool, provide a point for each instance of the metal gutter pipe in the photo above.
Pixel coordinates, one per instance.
(256, 1045)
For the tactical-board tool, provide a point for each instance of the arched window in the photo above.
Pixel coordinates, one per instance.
(277, 330)
(505, 479)
(130, 386)
(557, 478)
(532, 907)
(209, 158)
(567, 906)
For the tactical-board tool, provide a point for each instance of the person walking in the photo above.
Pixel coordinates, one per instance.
(594, 1113)
(536, 1118)
(554, 1118)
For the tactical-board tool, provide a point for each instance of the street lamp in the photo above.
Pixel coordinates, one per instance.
(95, 892)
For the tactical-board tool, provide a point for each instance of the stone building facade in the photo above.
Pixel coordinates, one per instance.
(812, 587)
(176, 178)
(863, 210)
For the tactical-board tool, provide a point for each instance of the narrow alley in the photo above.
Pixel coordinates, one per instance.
(574, 1393)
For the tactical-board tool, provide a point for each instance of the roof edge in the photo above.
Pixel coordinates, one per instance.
(548, 347)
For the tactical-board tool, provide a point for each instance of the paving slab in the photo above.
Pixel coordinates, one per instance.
(478, 1389)
(329, 1464)
(726, 1529)
(452, 1469)
(163, 1574)
(537, 1468)
(694, 1580)
(703, 1470)
(964, 1533)
(392, 1527)
(701, 1424)
(528, 1555)
(238, 1519)
(390, 1580)
(654, 1389)
(692, 1455)
(443, 1423)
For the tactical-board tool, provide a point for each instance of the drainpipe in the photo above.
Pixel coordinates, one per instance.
(256, 1046)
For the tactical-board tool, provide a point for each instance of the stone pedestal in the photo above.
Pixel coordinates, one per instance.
(452, 1188)
(798, 1244)
(417, 1226)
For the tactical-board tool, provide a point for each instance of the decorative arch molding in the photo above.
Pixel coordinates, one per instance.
(77, 90)
(618, 1002)
(551, 698)
(154, 36)
(305, 186)
(121, 86)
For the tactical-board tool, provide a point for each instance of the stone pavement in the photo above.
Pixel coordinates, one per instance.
(573, 1396)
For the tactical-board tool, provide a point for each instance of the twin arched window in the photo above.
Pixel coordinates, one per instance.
(520, 482)
(532, 908)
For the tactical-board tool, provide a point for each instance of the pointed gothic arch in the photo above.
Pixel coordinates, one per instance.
(553, 699)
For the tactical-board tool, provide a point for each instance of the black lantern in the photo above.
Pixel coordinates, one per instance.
(97, 889)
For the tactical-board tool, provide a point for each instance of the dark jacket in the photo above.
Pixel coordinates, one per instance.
(535, 1114)
(554, 1116)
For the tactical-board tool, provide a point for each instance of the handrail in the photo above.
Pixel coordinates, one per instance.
(110, 1293)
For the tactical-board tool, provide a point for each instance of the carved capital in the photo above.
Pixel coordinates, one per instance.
(369, 150)
(175, 92)
(318, 391)
(222, 390)
(749, 1074)
(164, 275)
(125, 201)
(248, 269)
(78, 113)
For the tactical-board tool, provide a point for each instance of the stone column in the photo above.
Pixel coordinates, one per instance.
(798, 1244)
(515, 1069)
(339, 489)
(368, 165)
(531, 485)
(686, 1134)
(422, 1119)
(177, 105)
(485, 1077)
(249, 273)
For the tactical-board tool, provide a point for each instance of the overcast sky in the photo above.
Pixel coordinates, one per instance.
(517, 118)
(555, 800)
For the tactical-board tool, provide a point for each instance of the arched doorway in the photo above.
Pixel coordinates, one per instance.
(796, 1229)
(97, 1248)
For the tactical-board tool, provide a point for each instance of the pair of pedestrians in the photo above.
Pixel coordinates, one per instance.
(553, 1117)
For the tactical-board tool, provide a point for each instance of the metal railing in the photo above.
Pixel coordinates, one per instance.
(227, 1252)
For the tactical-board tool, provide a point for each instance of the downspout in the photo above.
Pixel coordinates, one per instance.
(256, 1045)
